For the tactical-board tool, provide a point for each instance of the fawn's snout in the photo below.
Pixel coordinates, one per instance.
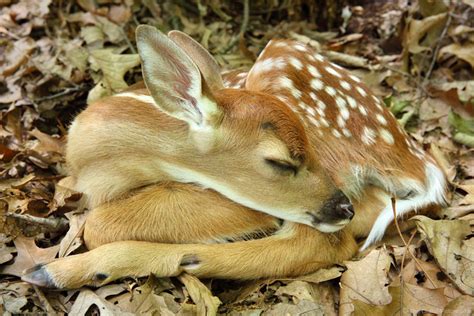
(336, 213)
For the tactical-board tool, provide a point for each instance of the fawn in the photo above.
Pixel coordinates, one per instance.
(183, 173)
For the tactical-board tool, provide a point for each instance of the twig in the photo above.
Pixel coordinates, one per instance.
(44, 301)
(402, 283)
(54, 224)
(129, 44)
(243, 28)
(437, 48)
(62, 93)
(406, 244)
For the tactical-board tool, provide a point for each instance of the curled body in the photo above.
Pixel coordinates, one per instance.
(182, 172)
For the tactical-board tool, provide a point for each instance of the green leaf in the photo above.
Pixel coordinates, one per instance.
(464, 129)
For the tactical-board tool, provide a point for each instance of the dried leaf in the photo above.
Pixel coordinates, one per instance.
(28, 255)
(73, 238)
(455, 256)
(463, 305)
(113, 67)
(206, 303)
(464, 52)
(366, 281)
(419, 28)
(87, 298)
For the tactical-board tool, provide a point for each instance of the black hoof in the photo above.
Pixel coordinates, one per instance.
(38, 275)
(190, 261)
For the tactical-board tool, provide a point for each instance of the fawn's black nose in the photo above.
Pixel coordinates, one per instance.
(337, 208)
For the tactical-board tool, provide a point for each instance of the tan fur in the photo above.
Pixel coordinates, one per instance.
(173, 181)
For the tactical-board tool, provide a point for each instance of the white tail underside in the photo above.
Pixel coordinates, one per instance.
(433, 194)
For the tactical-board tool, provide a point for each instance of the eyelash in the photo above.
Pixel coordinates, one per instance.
(282, 166)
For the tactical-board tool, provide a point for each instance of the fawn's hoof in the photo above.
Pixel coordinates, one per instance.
(38, 275)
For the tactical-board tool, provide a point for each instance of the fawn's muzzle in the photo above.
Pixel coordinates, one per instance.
(337, 209)
(336, 213)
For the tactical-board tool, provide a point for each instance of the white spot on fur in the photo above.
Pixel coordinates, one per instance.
(355, 78)
(314, 121)
(312, 95)
(352, 102)
(344, 112)
(341, 121)
(340, 102)
(321, 105)
(333, 71)
(368, 136)
(336, 133)
(330, 90)
(268, 64)
(346, 132)
(386, 136)
(286, 82)
(313, 71)
(310, 111)
(295, 62)
(300, 47)
(319, 57)
(361, 91)
(317, 84)
(381, 119)
(362, 110)
(320, 111)
(324, 122)
(346, 85)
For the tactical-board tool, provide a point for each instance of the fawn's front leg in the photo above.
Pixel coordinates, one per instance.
(295, 250)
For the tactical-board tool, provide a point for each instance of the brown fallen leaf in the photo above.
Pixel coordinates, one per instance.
(418, 30)
(469, 198)
(144, 300)
(463, 305)
(366, 280)
(47, 143)
(113, 67)
(408, 299)
(6, 253)
(322, 275)
(455, 256)
(206, 303)
(73, 238)
(87, 298)
(15, 183)
(302, 293)
(464, 52)
(28, 255)
(65, 197)
(304, 307)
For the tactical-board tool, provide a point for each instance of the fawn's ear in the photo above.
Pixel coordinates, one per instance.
(174, 80)
(206, 63)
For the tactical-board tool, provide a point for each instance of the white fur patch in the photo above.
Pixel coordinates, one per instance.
(434, 190)
(139, 97)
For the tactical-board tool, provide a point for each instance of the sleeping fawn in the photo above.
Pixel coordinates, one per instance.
(183, 173)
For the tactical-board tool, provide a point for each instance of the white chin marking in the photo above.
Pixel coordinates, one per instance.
(328, 228)
(434, 190)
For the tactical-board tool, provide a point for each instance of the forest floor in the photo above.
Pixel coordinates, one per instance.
(57, 56)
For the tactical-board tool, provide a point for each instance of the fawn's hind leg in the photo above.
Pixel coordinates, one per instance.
(294, 249)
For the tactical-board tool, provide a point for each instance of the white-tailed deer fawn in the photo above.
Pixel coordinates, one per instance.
(181, 173)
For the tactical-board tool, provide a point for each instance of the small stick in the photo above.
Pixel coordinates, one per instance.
(55, 224)
(438, 47)
(405, 243)
(44, 301)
